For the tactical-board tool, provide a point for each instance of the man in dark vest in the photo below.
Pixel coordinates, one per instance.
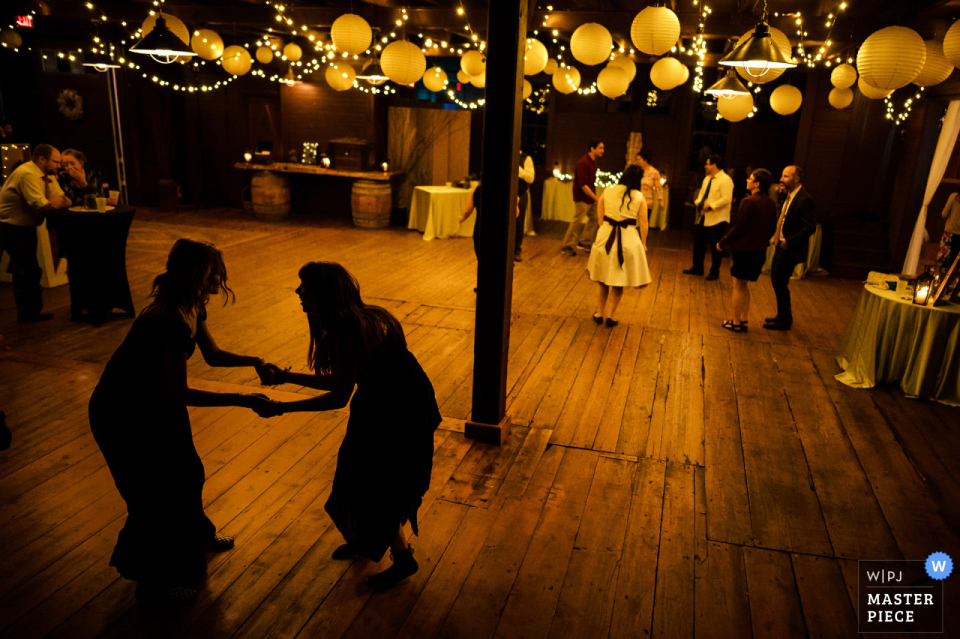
(794, 228)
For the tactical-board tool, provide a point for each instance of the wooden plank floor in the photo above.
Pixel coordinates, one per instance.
(664, 478)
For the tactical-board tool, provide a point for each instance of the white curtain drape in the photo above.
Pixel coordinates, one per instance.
(948, 137)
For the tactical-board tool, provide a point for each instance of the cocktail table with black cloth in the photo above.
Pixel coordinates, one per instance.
(95, 245)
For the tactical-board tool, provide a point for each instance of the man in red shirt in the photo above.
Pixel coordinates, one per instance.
(584, 201)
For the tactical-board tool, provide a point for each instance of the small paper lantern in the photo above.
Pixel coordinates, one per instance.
(551, 67)
(351, 33)
(473, 63)
(891, 58)
(626, 64)
(840, 98)
(936, 68)
(951, 44)
(871, 92)
(527, 89)
(340, 76)
(403, 62)
(566, 79)
(759, 76)
(686, 73)
(655, 30)
(613, 82)
(786, 99)
(479, 81)
(667, 73)
(534, 57)
(265, 55)
(591, 43)
(207, 44)
(736, 108)
(174, 24)
(843, 76)
(293, 52)
(435, 79)
(463, 77)
(10, 39)
(235, 60)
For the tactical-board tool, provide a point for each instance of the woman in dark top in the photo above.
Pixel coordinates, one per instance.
(747, 240)
(78, 180)
(138, 415)
(385, 460)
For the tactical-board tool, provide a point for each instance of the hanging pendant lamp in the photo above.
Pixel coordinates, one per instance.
(373, 74)
(728, 87)
(161, 44)
(758, 52)
(100, 61)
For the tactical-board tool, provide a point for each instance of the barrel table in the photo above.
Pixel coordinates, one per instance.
(270, 195)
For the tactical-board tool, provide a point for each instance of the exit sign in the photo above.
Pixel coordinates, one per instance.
(25, 21)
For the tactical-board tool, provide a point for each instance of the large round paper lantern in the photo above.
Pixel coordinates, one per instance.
(527, 88)
(264, 55)
(473, 63)
(463, 77)
(871, 92)
(626, 64)
(435, 79)
(10, 39)
(736, 108)
(403, 62)
(566, 79)
(891, 58)
(786, 99)
(759, 76)
(340, 76)
(293, 52)
(235, 60)
(207, 44)
(351, 33)
(666, 73)
(174, 23)
(591, 43)
(655, 30)
(686, 73)
(936, 68)
(613, 82)
(479, 81)
(534, 57)
(840, 98)
(843, 76)
(551, 67)
(951, 44)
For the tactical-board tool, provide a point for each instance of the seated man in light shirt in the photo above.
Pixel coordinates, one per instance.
(26, 196)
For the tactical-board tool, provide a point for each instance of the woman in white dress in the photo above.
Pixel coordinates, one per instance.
(619, 256)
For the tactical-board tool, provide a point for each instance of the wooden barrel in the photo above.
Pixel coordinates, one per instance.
(371, 202)
(270, 194)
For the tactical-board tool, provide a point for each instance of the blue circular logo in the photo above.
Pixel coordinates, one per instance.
(939, 565)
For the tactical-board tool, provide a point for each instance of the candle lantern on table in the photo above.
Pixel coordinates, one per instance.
(923, 288)
(247, 156)
(324, 161)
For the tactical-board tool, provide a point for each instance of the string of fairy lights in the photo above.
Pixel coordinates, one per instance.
(698, 48)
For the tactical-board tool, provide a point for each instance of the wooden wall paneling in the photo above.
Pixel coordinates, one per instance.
(313, 112)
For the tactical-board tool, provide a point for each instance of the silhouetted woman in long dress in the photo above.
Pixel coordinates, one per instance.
(138, 415)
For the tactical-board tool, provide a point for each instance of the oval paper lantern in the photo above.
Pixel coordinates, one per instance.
(463, 77)
(843, 76)
(174, 23)
(871, 92)
(479, 81)
(10, 39)
(534, 57)
(340, 76)
(591, 43)
(786, 99)
(951, 44)
(613, 82)
(840, 98)
(527, 88)
(655, 30)
(265, 55)
(626, 64)
(686, 73)
(293, 52)
(207, 44)
(891, 58)
(936, 68)
(551, 67)
(759, 76)
(235, 60)
(566, 79)
(403, 62)
(667, 73)
(351, 33)
(473, 63)
(435, 79)
(736, 108)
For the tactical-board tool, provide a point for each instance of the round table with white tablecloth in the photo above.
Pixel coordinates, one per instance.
(435, 212)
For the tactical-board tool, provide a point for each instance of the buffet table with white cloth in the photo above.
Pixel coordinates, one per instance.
(435, 212)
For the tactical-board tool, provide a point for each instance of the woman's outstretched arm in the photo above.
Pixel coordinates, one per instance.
(340, 385)
(175, 368)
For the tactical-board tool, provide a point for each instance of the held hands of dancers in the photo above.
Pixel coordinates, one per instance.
(261, 405)
(270, 374)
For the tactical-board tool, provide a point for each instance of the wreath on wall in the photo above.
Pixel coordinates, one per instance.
(71, 104)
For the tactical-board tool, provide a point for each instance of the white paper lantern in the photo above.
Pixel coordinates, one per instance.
(655, 30)
(174, 23)
(786, 99)
(591, 43)
(951, 44)
(686, 74)
(736, 108)
(613, 82)
(626, 64)
(351, 33)
(463, 77)
(871, 92)
(667, 73)
(843, 76)
(473, 63)
(759, 76)
(936, 68)
(534, 57)
(566, 79)
(551, 67)
(265, 55)
(435, 79)
(340, 76)
(293, 52)
(403, 62)
(235, 60)
(10, 39)
(207, 44)
(840, 98)
(527, 89)
(479, 81)
(891, 58)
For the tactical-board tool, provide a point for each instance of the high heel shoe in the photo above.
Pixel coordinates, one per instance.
(597, 318)
(730, 326)
(611, 322)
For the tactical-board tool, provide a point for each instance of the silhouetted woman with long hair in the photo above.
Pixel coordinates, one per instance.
(385, 460)
(138, 415)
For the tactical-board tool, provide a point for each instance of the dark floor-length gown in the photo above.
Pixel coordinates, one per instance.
(148, 444)
(385, 460)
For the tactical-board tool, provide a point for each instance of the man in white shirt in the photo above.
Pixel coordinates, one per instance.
(523, 190)
(26, 196)
(713, 217)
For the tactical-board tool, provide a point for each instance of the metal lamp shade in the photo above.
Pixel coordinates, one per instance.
(729, 86)
(100, 61)
(373, 74)
(162, 41)
(759, 50)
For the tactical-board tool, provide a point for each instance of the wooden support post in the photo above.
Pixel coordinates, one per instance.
(506, 40)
